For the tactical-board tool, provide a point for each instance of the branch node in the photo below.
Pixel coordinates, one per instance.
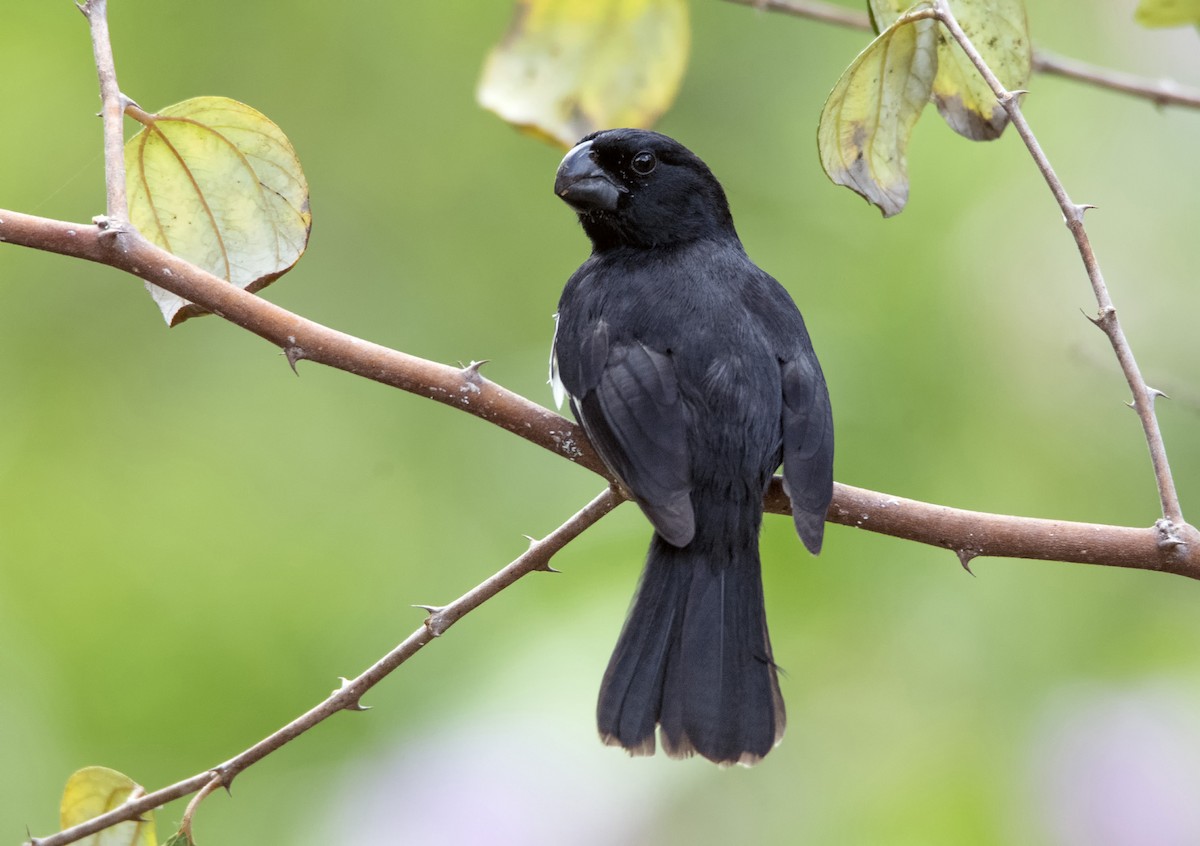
(126, 101)
(1169, 540)
(224, 776)
(109, 227)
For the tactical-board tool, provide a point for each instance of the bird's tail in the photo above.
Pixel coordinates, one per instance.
(695, 657)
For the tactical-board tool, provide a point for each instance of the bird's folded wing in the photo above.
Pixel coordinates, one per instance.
(807, 446)
(635, 419)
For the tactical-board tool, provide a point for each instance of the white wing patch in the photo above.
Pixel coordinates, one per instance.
(556, 385)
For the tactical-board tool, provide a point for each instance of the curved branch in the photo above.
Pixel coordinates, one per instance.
(969, 533)
(348, 697)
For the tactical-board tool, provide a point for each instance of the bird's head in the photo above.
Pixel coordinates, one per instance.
(637, 188)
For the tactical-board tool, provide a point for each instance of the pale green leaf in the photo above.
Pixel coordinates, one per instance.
(1156, 13)
(218, 184)
(569, 67)
(180, 838)
(93, 791)
(868, 119)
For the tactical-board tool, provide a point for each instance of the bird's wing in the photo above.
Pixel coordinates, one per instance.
(633, 415)
(807, 445)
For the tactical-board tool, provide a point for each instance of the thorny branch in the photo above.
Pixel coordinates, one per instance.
(1143, 394)
(1170, 546)
(467, 389)
(348, 697)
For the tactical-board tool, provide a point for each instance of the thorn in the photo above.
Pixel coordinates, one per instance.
(470, 372)
(219, 773)
(430, 609)
(294, 354)
(532, 540)
(965, 557)
(354, 704)
(1010, 97)
(1155, 393)
(1103, 319)
(1077, 210)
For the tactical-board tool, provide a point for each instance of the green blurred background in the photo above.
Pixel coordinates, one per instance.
(195, 544)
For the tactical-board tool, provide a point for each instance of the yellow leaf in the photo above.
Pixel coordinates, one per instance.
(1167, 12)
(568, 67)
(869, 116)
(93, 791)
(218, 184)
(999, 30)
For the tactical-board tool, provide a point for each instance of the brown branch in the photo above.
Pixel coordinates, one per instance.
(349, 695)
(112, 110)
(1163, 92)
(1143, 394)
(814, 10)
(968, 532)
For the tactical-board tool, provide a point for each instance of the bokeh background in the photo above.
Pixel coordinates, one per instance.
(195, 543)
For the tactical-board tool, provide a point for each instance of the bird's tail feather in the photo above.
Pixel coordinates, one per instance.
(695, 657)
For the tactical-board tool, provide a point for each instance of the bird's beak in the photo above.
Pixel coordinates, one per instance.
(583, 184)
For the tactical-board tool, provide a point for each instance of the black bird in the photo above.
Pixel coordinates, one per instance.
(694, 377)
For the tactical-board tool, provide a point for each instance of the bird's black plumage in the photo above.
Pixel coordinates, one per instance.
(693, 375)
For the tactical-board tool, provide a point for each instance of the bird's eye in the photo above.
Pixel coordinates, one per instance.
(643, 163)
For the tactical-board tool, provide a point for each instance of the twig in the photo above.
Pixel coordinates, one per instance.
(1162, 92)
(815, 10)
(467, 390)
(1143, 395)
(348, 696)
(112, 109)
